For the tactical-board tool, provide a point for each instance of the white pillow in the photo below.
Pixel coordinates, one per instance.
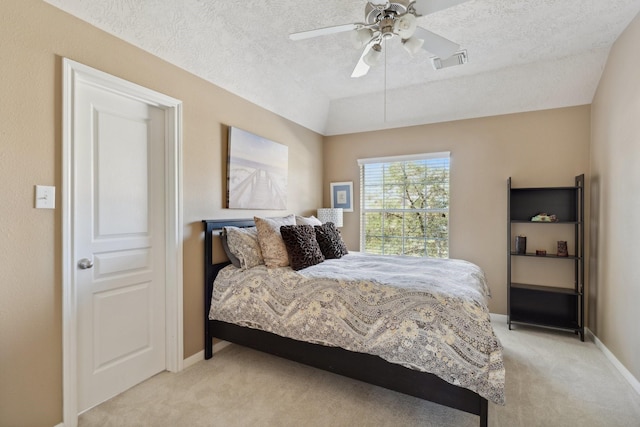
(273, 248)
(311, 220)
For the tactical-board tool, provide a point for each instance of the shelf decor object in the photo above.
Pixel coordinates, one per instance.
(562, 248)
(561, 305)
(521, 245)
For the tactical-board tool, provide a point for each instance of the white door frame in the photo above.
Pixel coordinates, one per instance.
(72, 73)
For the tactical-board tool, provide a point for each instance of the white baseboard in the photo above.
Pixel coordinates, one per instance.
(502, 318)
(192, 360)
(220, 345)
(614, 360)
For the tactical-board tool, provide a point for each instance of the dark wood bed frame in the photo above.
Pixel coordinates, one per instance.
(364, 367)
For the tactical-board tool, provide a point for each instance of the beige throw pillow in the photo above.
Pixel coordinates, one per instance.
(273, 248)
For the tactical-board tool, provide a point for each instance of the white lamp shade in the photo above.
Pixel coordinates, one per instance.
(333, 215)
(361, 37)
(405, 26)
(412, 45)
(374, 55)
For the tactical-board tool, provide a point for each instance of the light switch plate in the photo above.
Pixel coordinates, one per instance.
(45, 197)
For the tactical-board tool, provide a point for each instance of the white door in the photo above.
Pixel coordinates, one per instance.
(118, 241)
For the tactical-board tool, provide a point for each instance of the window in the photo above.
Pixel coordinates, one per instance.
(404, 204)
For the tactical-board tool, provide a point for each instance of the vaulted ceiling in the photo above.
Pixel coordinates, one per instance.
(524, 55)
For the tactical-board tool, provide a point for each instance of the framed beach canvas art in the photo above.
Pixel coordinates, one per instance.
(257, 172)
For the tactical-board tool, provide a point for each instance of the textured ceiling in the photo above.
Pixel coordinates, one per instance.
(524, 55)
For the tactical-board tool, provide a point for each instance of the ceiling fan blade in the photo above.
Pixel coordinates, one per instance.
(324, 31)
(362, 68)
(436, 44)
(425, 7)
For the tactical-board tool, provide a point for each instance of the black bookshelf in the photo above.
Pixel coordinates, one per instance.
(541, 305)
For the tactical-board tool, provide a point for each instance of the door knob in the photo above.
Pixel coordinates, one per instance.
(85, 263)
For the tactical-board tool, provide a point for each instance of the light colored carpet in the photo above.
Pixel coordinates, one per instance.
(553, 379)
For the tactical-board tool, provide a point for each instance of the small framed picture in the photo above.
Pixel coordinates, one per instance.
(342, 196)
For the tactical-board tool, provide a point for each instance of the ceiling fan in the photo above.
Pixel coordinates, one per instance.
(386, 19)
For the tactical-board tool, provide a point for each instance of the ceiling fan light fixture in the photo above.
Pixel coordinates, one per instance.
(379, 4)
(405, 26)
(361, 37)
(386, 19)
(374, 55)
(412, 45)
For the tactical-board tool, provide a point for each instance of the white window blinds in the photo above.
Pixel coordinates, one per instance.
(404, 203)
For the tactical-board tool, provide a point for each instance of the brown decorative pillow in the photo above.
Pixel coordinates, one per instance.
(330, 241)
(273, 249)
(302, 246)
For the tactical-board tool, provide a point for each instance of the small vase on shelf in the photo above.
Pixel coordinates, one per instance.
(562, 248)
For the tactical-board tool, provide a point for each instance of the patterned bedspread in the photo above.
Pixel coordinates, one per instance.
(426, 314)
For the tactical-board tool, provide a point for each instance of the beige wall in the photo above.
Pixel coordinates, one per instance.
(35, 36)
(544, 148)
(615, 188)
(539, 148)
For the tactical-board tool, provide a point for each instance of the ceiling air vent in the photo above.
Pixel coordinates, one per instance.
(457, 58)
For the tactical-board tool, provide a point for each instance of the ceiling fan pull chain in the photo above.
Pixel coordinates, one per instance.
(385, 81)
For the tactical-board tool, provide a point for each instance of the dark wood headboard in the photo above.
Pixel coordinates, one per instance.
(211, 270)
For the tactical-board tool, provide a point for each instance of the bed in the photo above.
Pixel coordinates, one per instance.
(468, 389)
